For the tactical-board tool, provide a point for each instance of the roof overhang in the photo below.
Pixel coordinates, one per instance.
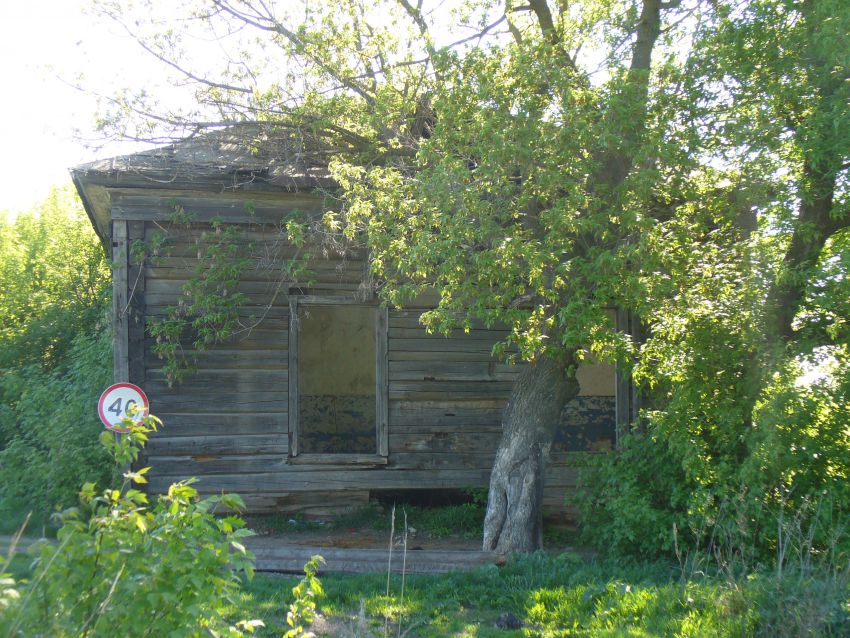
(240, 158)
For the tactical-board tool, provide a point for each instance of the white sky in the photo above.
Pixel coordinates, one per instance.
(43, 45)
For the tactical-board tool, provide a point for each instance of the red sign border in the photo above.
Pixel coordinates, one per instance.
(114, 386)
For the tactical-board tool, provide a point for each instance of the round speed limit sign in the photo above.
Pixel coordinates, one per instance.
(120, 401)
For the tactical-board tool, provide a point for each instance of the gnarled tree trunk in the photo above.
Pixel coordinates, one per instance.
(515, 503)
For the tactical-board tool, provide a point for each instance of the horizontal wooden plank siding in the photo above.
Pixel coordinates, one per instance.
(208, 447)
(301, 478)
(452, 371)
(264, 252)
(227, 422)
(229, 414)
(446, 399)
(235, 426)
(234, 209)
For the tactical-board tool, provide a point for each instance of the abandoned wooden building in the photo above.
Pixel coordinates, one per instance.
(325, 396)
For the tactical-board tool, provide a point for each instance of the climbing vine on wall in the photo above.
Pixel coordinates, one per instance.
(212, 307)
(208, 310)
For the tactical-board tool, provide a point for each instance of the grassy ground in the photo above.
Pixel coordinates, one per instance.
(560, 596)
(545, 595)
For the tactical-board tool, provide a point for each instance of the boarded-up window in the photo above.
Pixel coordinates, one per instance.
(588, 423)
(336, 379)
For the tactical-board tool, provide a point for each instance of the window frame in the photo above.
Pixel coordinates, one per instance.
(381, 385)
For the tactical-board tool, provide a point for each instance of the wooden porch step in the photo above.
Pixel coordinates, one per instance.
(276, 556)
(291, 559)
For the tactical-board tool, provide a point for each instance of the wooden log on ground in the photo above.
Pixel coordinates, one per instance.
(291, 559)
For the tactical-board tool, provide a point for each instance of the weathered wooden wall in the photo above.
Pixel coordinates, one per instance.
(226, 423)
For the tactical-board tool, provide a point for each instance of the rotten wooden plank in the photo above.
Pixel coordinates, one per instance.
(194, 424)
(223, 358)
(444, 442)
(475, 459)
(428, 421)
(208, 463)
(183, 233)
(270, 277)
(322, 477)
(480, 388)
(461, 428)
(247, 314)
(413, 394)
(283, 558)
(320, 504)
(256, 340)
(440, 345)
(260, 265)
(456, 335)
(452, 371)
(200, 445)
(234, 403)
(154, 208)
(470, 406)
(366, 460)
(401, 354)
(204, 382)
(165, 287)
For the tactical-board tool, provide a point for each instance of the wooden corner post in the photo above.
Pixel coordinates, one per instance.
(293, 376)
(382, 382)
(120, 305)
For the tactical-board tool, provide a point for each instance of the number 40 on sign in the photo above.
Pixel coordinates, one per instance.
(121, 401)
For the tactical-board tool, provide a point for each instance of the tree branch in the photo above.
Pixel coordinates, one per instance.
(272, 25)
(174, 65)
(416, 14)
(648, 30)
(514, 31)
(544, 17)
(548, 29)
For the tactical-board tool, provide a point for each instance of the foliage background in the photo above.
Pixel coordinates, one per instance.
(55, 358)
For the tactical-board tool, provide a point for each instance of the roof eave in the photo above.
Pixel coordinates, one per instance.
(98, 217)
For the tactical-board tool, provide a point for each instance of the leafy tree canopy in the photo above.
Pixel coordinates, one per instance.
(52, 275)
(535, 162)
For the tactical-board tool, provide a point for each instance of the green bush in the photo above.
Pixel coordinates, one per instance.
(799, 449)
(49, 428)
(55, 358)
(730, 485)
(123, 568)
(629, 502)
(302, 609)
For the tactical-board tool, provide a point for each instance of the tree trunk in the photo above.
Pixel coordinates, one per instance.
(815, 224)
(515, 504)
